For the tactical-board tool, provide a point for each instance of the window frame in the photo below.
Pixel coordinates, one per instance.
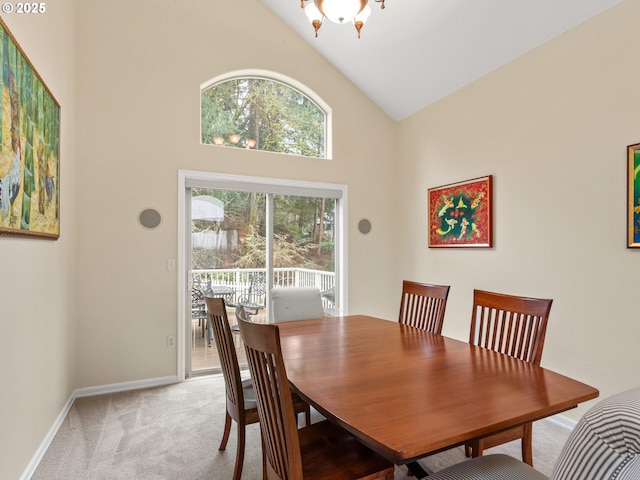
(287, 81)
(189, 179)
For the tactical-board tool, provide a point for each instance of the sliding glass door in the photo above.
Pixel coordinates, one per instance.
(248, 237)
(304, 244)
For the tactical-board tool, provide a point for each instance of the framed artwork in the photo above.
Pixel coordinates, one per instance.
(29, 147)
(633, 196)
(460, 214)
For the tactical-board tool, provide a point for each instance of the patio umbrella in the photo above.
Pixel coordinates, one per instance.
(206, 207)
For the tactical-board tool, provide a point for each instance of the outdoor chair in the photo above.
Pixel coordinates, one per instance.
(198, 311)
(329, 301)
(604, 445)
(257, 290)
(514, 326)
(321, 451)
(296, 303)
(241, 400)
(422, 305)
(241, 314)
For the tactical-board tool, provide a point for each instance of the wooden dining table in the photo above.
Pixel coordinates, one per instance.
(408, 393)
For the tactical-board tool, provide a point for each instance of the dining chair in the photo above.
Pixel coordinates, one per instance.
(604, 445)
(515, 326)
(241, 400)
(422, 305)
(296, 303)
(319, 451)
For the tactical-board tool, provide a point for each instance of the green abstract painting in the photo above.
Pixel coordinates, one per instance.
(633, 188)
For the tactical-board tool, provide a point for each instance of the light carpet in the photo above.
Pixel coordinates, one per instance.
(173, 432)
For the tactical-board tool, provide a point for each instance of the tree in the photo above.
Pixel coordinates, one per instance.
(286, 253)
(274, 115)
(303, 231)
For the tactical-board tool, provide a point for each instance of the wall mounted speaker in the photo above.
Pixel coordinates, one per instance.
(364, 226)
(149, 218)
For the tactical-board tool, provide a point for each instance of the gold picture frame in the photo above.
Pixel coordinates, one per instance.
(29, 147)
(633, 196)
(460, 214)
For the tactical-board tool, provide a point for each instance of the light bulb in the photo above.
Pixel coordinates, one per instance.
(314, 15)
(363, 16)
(312, 12)
(340, 10)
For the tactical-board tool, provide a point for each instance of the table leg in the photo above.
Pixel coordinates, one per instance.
(417, 470)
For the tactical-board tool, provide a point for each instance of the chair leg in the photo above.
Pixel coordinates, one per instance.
(527, 441)
(227, 429)
(264, 457)
(307, 415)
(237, 472)
(477, 448)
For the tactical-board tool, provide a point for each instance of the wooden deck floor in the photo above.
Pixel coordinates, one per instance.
(204, 358)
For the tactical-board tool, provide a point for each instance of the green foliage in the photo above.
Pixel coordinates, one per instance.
(202, 259)
(298, 239)
(327, 246)
(286, 253)
(278, 117)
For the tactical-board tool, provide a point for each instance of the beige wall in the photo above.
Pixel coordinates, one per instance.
(141, 67)
(552, 128)
(37, 289)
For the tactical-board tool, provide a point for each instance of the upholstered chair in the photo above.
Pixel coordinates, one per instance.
(604, 445)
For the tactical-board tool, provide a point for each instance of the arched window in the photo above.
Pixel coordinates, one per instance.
(264, 111)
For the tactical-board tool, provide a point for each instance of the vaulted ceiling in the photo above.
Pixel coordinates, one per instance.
(415, 52)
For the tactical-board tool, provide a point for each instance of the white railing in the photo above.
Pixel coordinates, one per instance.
(248, 285)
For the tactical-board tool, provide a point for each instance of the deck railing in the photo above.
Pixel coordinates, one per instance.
(248, 284)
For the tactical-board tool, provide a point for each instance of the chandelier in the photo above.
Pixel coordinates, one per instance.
(356, 11)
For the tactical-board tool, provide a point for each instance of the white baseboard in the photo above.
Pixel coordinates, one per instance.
(125, 386)
(37, 457)
(86, 392)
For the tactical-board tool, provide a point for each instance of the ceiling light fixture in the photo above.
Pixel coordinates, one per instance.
(357, 11)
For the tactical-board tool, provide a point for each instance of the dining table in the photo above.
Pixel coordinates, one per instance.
(408, 393)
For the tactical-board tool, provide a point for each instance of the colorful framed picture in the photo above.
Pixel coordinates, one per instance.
(29, 147)
(460, 214)
(633, 196)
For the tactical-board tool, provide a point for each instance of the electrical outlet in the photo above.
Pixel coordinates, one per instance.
(171, 264)
(171, 341)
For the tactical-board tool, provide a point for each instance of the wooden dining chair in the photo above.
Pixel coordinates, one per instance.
(515, 326)
(319, 451)
(241, 400)
(422, 305)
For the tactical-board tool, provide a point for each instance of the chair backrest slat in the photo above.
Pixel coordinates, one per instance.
(423, 305)
(274, 400)
(227, 352)
(509, 324)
